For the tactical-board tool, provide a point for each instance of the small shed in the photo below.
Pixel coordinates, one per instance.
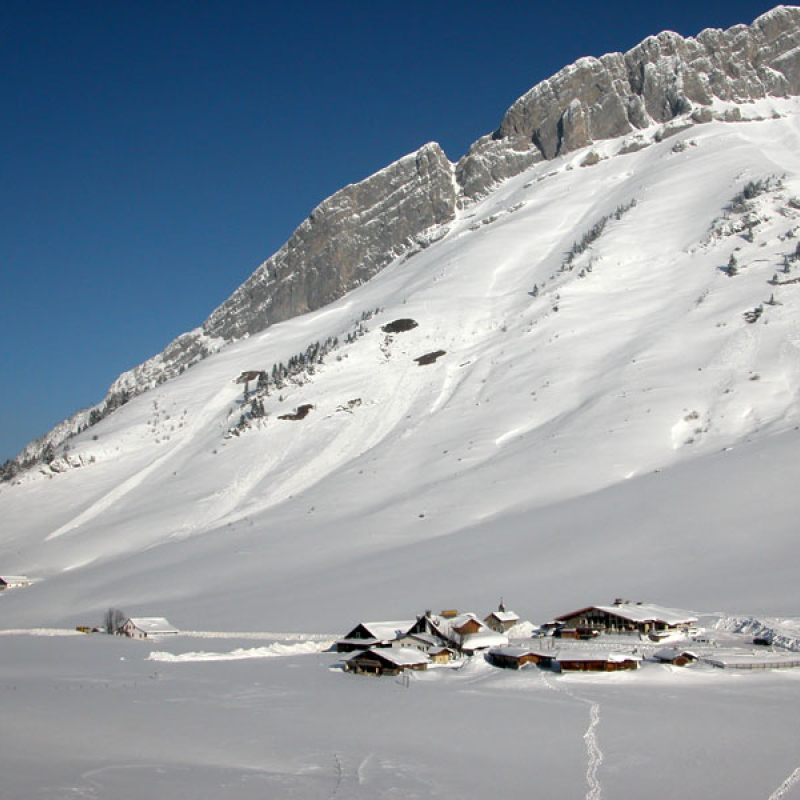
(146, 627)
(441, 655)
(387, 661)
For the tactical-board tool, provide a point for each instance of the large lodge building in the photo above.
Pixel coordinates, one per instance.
(626, 617)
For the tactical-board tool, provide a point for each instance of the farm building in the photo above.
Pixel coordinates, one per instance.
(626, 617)
(373, 634)
(145, 627)
(13, 581)
(386, 661)
(501, 620)
(511, 657)
(593, 661)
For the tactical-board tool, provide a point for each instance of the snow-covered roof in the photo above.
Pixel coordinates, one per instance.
(153, 624)
(386, 631)
(594, 655)
(513, 651)
(483, 640)
(644, 612)
(504, 616)
(426, 638)
(401, 656)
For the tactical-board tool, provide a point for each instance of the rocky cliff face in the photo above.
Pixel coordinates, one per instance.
(356, 232)
(663, 77)
(346, 240)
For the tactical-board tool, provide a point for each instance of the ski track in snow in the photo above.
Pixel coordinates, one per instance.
(786, 786)
(593, 751)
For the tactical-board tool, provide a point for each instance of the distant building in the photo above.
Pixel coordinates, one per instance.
(14, 581)
(386, 661)
(145, 627)
(626, 617)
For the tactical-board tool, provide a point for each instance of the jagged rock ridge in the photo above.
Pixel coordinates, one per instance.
(662, 78)
(360, 229)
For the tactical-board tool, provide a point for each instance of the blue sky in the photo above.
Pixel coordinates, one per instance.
(154, 153)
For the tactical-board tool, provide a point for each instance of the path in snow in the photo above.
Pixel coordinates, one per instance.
(595, 754)
(786, 786)
(593, 751)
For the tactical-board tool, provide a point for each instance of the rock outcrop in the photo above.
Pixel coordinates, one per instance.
(344, 242)
(663, 77)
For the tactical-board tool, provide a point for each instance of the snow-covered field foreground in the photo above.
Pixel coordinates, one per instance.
(92, 717)
(619, 423)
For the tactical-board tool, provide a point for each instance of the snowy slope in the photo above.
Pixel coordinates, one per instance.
(633, 358)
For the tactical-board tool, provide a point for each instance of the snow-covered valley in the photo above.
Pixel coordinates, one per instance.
(604, 424)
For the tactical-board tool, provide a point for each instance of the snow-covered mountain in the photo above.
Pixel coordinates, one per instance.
(596, 394)
(357, 231)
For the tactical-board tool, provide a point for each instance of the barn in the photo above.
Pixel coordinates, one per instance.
(594, 661)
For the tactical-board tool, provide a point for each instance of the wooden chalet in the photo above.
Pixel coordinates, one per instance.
(625, 617)
(387, 661)
(373, 634)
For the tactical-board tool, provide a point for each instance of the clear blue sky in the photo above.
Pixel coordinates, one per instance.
(154, 153)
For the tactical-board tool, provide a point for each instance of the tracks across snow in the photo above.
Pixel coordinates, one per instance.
(593, 751)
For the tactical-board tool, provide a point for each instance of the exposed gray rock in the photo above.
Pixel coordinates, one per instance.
(344, 242)
(664, 77)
